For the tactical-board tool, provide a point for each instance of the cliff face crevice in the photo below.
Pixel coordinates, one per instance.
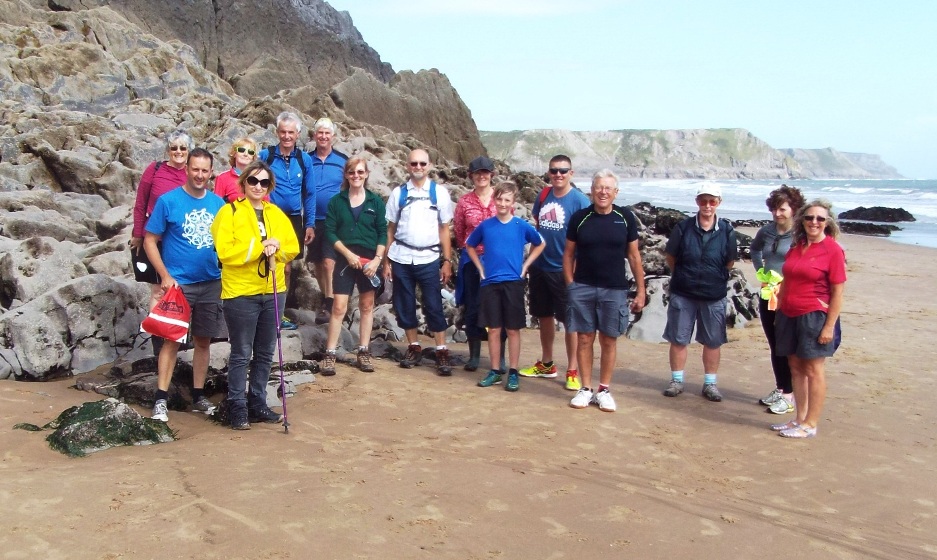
(731, 153)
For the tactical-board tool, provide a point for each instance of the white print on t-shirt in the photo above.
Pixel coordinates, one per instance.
(196, 229)
(552, 216)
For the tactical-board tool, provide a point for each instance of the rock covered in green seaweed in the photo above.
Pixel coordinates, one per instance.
(99, 425)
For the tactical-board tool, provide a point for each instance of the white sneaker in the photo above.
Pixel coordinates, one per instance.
(161, 411)
(782, 406)
(605, 401)
(582, 399)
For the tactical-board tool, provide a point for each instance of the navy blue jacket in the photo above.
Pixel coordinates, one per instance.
(700, 269)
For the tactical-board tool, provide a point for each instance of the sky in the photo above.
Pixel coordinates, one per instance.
(857, 76)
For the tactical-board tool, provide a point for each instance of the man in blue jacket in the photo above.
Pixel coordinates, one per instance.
(294, 192)
(700, 252)
(326, 174)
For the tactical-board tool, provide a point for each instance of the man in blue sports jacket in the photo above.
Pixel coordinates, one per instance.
(294, 192)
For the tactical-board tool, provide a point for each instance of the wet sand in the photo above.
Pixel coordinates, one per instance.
(405, 464)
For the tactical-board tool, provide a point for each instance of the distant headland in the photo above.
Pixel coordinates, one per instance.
(714, 153)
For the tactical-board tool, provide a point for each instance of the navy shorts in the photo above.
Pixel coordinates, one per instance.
(594, 309)
(798, 336)
(319, 249)
(709, 318)
(502, 305)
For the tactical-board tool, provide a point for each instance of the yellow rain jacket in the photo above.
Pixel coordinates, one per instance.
(240, 250)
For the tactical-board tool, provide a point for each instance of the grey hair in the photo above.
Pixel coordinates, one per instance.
(325, 122)
(605, 174)
(178, 136)
(286, 116)
(831, 228)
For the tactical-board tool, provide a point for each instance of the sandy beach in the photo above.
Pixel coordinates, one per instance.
(404, 464)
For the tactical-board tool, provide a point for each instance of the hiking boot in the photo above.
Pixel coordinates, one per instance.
(443, 367)
(413, 356)
(514, 382)
(711, 392)
(582, 399)
(327, 367)
(287, 325)
(573, 383)
(674, 389)
(364, 360)
(475, 351)
(323, 316)
(771, 398)
(161, 411)
(203, 405)
(493, 378)
(539, 370)
(781, 406)
(239, 419)
(265, 415)
(605, 401)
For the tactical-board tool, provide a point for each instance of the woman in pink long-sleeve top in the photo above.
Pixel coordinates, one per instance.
(159, 178)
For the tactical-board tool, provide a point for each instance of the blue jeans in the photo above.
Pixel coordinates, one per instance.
(252, 330)
(406, 278)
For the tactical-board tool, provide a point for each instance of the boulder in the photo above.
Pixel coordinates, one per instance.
(866, 228)
(37, 265)
(75, 327)
(96, 426)
(877, 214)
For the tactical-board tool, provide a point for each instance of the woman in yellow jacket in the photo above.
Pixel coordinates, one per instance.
(252, 235)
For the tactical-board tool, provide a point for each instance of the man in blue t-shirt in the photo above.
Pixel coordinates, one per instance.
(547, 288)
(326, 175)
(599, 240)
(182, 220)
(502, 268)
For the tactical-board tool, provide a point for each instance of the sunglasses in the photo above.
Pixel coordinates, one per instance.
(419, 163)
(707, 202)
(249, 151)
(820, 219)
(559, 170)
(254, 181)
(357, 173)
(178, 148)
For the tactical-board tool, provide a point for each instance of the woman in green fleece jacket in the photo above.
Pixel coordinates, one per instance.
(356, 228)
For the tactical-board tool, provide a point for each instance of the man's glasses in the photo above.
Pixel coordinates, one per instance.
(254, 181)
(178, 148)
(559, 170)
(419, 163)
(707, 201)
(820, 219)
(242, 149)
(357, 173)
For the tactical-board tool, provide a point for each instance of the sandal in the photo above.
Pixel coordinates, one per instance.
(799, 431)
(785, 426)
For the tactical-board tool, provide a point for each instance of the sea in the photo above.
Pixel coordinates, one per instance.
(745, 199)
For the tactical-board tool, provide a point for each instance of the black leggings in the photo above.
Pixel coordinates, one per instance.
(782, 370)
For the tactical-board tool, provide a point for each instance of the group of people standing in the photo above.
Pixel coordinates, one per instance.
(234, 245)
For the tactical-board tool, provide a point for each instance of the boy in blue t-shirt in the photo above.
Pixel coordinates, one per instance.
(502, 268)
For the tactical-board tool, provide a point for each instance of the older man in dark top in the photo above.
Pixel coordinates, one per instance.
(700, 252)
(599, 240)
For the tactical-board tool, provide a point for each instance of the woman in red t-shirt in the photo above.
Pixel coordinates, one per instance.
(243, 151)
(809, 303)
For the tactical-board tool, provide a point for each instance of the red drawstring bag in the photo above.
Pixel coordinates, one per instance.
(169, 319)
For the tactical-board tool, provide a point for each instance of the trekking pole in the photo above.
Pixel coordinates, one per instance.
(276, 304)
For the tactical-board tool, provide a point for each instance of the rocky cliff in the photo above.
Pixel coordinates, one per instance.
(731, 153)
(262, 48)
